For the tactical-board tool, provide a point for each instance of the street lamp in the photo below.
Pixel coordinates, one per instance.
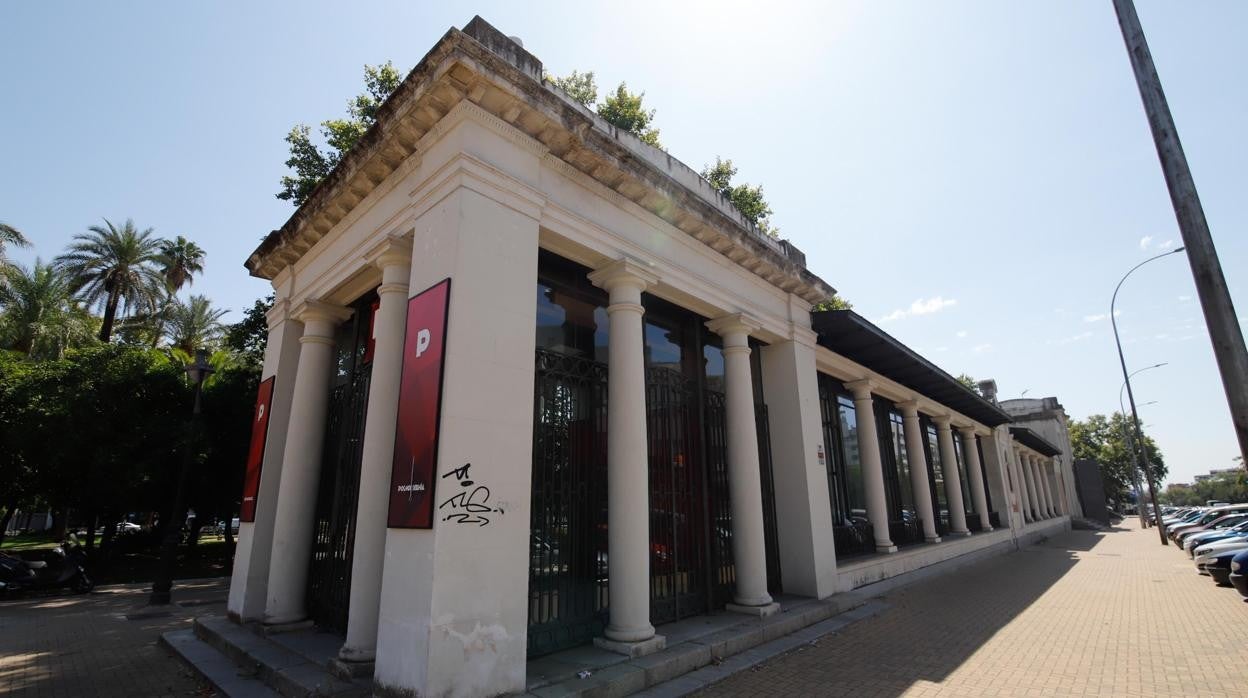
(1135, 419)
(1126, 437)
(162, 585)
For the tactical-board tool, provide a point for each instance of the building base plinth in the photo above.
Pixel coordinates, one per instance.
(959, 533)
(885, 548)
(933, 540)
(291, 627)
(348, 670)
(632, 650)
(763, 611)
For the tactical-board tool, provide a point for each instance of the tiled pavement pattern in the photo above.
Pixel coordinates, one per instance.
(70, 646)
(1105, 614)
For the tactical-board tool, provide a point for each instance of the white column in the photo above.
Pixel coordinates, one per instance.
(953, 481)
(804, 523)
(1049, 505)
(1059, 488)
(872, 466)
(745, 490)
(394, 258)
(1023, 486)
(301, 464)
(1033, 504)
(918, 469)
(628, 488)
(975, 476)
(1042, 489)
(250, 580)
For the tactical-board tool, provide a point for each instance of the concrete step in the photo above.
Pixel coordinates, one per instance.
(293, 664)
(217, 669)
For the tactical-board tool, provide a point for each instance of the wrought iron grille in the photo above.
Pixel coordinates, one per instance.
(850, 540)
(771, 531)
(995, 519)
(329, 576)
(568, 531)
(973, 524)
(678, 553)
(723, 573)
(906, 531)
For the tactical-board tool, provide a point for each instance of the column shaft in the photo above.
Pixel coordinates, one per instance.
(301, 467)
(378, 452)
(872, 466)
(628, 488)
(953, 480)
(749, 547)
(1033, 509)
(1049, 504)
(975, 477)
(918, 470)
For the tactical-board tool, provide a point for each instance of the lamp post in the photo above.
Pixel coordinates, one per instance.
(162, 585)
(1135, 418)
(1126, 436)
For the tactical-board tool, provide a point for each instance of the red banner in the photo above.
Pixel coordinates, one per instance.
(420, 409)
(255, 454)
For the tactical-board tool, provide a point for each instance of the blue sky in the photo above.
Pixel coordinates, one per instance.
(975, 176)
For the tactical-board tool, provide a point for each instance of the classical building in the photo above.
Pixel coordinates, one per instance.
(618, 413)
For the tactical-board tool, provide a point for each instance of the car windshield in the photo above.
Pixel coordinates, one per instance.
(1227, 521)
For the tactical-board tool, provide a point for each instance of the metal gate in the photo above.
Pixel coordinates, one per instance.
(679, 553)
(568, 541)
(329, 577)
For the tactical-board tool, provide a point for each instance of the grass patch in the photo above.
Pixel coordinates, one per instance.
(29, 541)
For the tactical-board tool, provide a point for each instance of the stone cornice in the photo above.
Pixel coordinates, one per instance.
(462, 79)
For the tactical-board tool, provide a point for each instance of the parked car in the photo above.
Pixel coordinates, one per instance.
(1239, 573)
(1219, 568)
(1206, 554)
(1208, 517)
(1219, 523)
(1197, 539)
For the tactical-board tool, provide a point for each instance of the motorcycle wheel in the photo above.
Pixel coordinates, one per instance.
(82, 584)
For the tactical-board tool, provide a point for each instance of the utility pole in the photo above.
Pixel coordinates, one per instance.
(1215, 298)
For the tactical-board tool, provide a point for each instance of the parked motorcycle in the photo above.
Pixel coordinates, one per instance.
(66, 569)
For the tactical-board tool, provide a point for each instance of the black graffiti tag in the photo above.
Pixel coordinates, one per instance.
(468, 506)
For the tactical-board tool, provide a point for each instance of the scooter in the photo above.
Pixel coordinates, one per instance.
(67, 569)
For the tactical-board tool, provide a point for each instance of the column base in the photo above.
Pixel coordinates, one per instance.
(890, 548)
(958, 533)
(933, 539)
(347, 670)
(355, 655)
(989, 529)
(632, 650)
(763, 611)
(287, 626)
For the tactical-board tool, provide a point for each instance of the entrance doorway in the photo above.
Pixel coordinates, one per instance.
(333, 532)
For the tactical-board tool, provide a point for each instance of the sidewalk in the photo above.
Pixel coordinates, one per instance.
(1085, 613)
(71, 646)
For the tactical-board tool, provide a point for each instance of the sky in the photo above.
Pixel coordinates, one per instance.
(974, 176)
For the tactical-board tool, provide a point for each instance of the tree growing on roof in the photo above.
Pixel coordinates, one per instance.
(621, 108)
(308, 162)
(747, 199)
(835, 302)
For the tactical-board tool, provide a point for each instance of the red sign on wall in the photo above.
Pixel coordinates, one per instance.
(420, 409)
(255, 454)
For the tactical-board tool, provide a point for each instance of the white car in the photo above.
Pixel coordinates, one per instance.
(1206, 553)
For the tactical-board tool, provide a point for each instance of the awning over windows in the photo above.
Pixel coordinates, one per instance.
(1034, 441)
(849, 334)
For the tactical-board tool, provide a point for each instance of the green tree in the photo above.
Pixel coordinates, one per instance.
(1106, 440)
(10, 237)
(747, 199)
(310, 164)
(579, 86)
(114, 268)
(194, 324)
(624, 110)
(968, 381)
(833, 303)
(179, 261)
(39, 316)
(248, 337)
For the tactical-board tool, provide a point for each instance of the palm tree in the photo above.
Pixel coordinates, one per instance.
(180, 260)
(111, 267)
(194, 324)
(9, 236)
(41, 318)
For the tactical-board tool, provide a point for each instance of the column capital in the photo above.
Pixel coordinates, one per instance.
(313, 310)
(966, 430)
(393, 250)
(278, 313)
(909, 409)
(943, 422)
(860, 388)
(623, 273)
(735, 328)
